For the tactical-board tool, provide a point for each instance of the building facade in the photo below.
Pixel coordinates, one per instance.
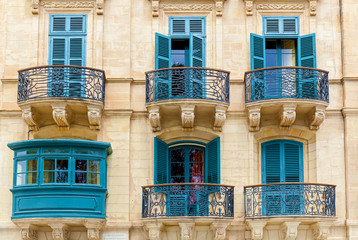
(168, 120)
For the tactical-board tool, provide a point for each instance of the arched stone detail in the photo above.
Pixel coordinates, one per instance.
(175, 134)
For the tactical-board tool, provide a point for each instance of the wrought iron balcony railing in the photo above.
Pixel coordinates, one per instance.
(290, 199)
(61, 81)
(187, 83)
(286, 82)
(188, 199)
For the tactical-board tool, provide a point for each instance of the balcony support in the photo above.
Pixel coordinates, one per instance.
(219, 229)
(29, 117)
(94, 113)
(288, 115)
(61, 114)
(28, 231)
(257, 229)
(154, 118)
(318, 117)
(59, 231)
(220, 117)
(187, 117)
(154, 230)
(321, 230)
(93, 228)
(289, 230)
(186, 230)
(254, 118)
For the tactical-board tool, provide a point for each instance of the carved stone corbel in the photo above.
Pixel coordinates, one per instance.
(220, 117)
(249, 5)
(219, 5)
(94, 113)
(317, 118)
(313, 7)
(61, 115)
(59, 231)
(321, 230)
(35, 6)
(289, 230)
(28, 232)
(155, 8)
(93, 228)
(187, 117)
(219, 230)
(29, 118)
(254, 118)
(99, 7)
(186, 230)
(154, 230)
(257, 229)
(154, 119)
(288, 115)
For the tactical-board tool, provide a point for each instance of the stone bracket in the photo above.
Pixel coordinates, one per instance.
(249, 6)
(93, 228)
(29, 117)
(289, 230)
(257, 229)
(219, 229)
(321, 230)
(288, 115)
(154, 119)
(59, 231)
(97, 4)
(186, 231)
(154, 230)
(220, 117)
(94, 113)
(313, 7)
(317, 118)
(28, 231)
(61, 115)
(254, 118)
(187, 117)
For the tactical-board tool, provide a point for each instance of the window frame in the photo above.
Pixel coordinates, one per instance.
(281, 33)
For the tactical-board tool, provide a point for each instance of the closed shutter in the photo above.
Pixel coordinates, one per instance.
(76, 51)
(292, 159)
(213, 161)
(307, 50)
(271, 166)
(186, 25)
(162, 51)
(281, 26)
(179, 26)
(160, 161)
(58, 51)
(257, 50)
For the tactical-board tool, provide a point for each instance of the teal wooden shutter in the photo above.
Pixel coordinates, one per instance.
(162, 51)
(160, 162)
(271, 164)
(278, 26)
(213, 161)
(179, 26)
(58, 51)
(76, 56)
(257, 51)
(293, 162)
(197, 58)
(307, 50)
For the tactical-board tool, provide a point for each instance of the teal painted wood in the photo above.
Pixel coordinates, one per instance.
(183, 26)
(306, 46)
(282, 25)
(196, 51)
(213, 161)
(160, 161)
(257, 51)
(162, 51)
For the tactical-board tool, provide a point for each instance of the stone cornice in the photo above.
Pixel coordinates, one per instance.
(97, 4)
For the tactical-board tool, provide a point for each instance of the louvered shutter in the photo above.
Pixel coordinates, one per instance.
(76, 56)
(290, 26)
(58, 51)
(292, 161)
(162, 51)
(271, 166)
(281, 25)
(257, 50)
(186, 25)
(196, 26)
(59, 24)
(197, 51)
(272, 26)
(307, 50)
(160, 161)
(213, 161)
(76, 24)
(179, 26)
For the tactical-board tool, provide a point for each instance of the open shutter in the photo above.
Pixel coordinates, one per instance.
(213, 161)
(271, 164)
(257, 51)
(197, 51)
(160, 161)
(293, 162)
(307, 50)
(162, 51)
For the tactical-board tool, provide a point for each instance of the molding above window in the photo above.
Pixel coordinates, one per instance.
(96, 4)
(249, 5)
(211, 5)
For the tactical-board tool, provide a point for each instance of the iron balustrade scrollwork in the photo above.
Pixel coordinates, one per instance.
(61, 81)
(290, 199)
(187, 83)
(187, 199)
(286, 82)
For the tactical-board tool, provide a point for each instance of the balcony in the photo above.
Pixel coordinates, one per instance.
(299, 95)
(175, 96)
(62, 95)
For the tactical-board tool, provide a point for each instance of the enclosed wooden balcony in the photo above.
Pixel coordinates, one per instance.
(177, 96)
(298, 95)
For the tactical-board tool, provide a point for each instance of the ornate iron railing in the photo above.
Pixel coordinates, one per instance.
(286, 82)
(290, 199)
(188, 199)
(61, 81)
(187, 83)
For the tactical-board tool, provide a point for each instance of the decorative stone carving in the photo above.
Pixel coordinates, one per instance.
(219, 229)
(98, 4)
(313, 7)
(187, 117)
(28, 233)
(318, 117)
(154, 230)
(93, 228)
(186, 230)
(61, 115)
(187, 7)
(59, 231)
(154, 118)
(155, 8)
(94, 116)
(288, 115)
(220, 116)
(280, 6)
(257, 229)
(289, 230)
(219, 5)
(29, 118)
(321, 230)
(254, 119)
(249, 4)
(35, 6)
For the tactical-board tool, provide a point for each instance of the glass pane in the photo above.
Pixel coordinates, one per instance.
(24, 152)
(62, 164)
(196, 155)
(271, 53)
(56, 151)
(177, 179)
(21, 179)
(61, 177)
(49, 177)
(94, 166)
(81, 165)
(81, 177)
(32, 165)
(21, 166)
(178, 52)
(49, 164)
(288, 52)
(177, 155)
(31, 178)
(93, 178)
(177, 169)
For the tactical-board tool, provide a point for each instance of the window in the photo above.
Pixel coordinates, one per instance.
(26, 171)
